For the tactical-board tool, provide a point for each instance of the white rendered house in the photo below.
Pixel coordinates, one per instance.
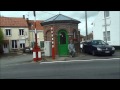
(112, 27)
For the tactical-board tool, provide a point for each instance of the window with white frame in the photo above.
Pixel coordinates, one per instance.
(107, 13)
(22, 45)
(14, 44)
(8, 32)
(21, 31)
(5, 45)
(108, 36)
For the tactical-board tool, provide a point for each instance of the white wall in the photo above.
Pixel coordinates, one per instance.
(113, 22)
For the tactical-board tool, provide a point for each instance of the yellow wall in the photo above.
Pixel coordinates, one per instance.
(15, 35)
(31, 37)
(40, 36)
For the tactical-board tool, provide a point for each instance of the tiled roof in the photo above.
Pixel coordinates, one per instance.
(59, 17)
(31, 25)
(12, 22)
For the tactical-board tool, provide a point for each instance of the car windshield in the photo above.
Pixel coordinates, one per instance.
(98, 42)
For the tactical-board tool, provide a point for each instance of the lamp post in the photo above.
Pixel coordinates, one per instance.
(53, 45)
(36, 50)
(105, 27)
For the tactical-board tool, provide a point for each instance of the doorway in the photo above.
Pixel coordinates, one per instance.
(63, 43)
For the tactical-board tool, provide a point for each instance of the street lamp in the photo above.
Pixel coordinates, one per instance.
(105, 27)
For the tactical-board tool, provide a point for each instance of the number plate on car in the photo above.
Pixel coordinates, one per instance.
(107, 51)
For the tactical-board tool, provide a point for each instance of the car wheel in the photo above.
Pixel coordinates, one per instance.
(93, 53)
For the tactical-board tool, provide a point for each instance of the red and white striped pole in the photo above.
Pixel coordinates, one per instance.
(53, 46)
(36, 50)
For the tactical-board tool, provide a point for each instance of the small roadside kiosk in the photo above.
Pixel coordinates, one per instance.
(60, 29)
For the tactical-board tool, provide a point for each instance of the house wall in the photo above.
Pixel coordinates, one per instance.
(113, 25)
(40, 36)
(15, 36)
(56, 27)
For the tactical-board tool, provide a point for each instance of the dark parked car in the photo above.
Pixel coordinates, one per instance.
(27, 50)
(96, 47)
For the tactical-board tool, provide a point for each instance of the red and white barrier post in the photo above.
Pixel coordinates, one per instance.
(53, 46)
(36, 50)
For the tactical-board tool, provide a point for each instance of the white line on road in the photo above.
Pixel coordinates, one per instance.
(15, 64)
(80, 60)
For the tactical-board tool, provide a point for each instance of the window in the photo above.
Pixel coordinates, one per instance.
(5, 45)
(74, 34)
(32, 44)
(41, 44)
(98, 42)
(108, 36)
(14, 43)
(107, 13)
(62, 38)
(22, 45)
(8, 32)
(21, 31)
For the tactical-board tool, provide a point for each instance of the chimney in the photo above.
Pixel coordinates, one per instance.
(23, 16)
(27, 19)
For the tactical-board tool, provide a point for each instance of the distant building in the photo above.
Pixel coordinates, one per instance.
(40, 33)
(90, 37)
(113, 27)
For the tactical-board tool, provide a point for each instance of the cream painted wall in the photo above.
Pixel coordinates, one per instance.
(15, 36)
(40, 36)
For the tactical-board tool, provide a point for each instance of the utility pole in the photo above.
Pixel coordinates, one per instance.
(0, 14)
(86, 25)
(105, 27)
(28, 15)
(36, 50)
(35, 29)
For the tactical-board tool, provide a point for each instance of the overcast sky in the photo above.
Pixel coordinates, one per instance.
(43, 15)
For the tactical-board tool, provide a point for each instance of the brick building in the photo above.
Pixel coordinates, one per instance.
(64, 29)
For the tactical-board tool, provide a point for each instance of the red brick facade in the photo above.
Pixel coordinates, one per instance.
(69, 27)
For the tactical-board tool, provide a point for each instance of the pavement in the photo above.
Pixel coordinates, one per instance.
(21, 58)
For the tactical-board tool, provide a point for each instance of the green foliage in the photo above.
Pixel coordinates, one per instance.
(1, 36)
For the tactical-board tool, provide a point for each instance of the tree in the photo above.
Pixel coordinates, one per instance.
(1, 36)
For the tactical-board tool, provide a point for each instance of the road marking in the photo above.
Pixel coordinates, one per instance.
(15, 64)
(79, 60)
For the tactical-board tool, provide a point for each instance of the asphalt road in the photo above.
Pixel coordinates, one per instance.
(86, 69)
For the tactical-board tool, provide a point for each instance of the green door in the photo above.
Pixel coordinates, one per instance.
(63, 43)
